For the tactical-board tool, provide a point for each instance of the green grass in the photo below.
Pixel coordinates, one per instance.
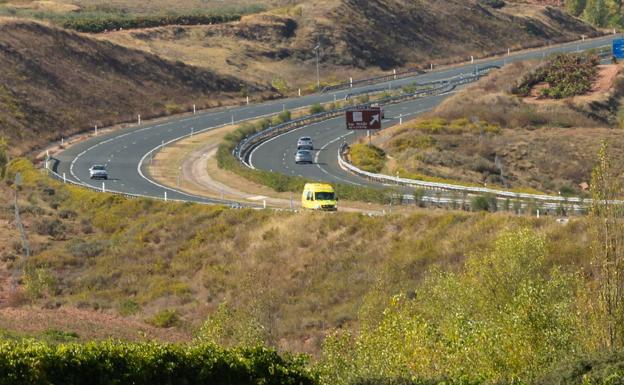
(367, 157)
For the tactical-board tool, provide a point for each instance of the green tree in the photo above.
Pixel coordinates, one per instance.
(596, 12)
(575, 7)
(607, 225)
(506, 317)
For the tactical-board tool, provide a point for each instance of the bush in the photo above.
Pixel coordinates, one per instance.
(316, 109)
(114, 22)
(165, 319)
(52, 227)
(282, 117)
(368, 157)
(29, 362)
(484, 203)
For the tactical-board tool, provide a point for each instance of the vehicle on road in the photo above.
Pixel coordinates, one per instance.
(98, 171)
(305, 143)
(318, 196)
(303, 156)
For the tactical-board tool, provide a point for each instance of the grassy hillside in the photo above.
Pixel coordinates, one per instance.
(357, 37)
(298, 275)
(540, 143)
(54, 83)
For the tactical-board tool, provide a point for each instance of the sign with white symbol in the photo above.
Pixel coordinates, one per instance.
(364, 119)
(618, 48)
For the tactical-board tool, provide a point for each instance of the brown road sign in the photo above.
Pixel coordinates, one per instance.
(364, 119)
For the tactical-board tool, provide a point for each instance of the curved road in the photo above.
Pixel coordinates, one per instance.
(126, 152)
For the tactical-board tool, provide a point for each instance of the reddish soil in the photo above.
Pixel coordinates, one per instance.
(89, 325)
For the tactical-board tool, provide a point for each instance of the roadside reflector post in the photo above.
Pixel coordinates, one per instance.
(400, 119)
(264, 203)
(369, 136)
(431, 66)
(46, 165)
(334, 98)
(165, 196)
(247, 100)
(194, 110)
(64, 179)
(472, 59)
(351, 82)
(394, 72)
(95, 130)
(538, 213)
(583, 37)
(299, 91)
(139, 119)
(62, 141)
(192, 128)
(508, 51)
(103, 187)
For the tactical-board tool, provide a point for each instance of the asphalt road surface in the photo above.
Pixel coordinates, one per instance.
(126, 152)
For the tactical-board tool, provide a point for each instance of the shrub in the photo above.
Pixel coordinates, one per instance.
(316, 109)
(483, 203)
(367, 157)
(282, 117)
(113, 362)
(165, 319)
(52, 227)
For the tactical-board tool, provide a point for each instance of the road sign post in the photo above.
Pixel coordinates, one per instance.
(618, 48)
(364, 118)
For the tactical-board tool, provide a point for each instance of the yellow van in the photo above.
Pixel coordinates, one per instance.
(318, 196)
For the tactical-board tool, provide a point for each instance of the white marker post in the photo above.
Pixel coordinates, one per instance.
(350, 82)
(139, 119)
(299, 92)
(247, 100)
(194, 110)
(103, 187)
(431, 66)
(264, 203)
(64, 179)
(583, 37)
(165, 196)
(334, 98)
(192, 131)
(508, 51)
(471, 59)
(400, 119)
(96, 130)
(394, 71)
(62, 141)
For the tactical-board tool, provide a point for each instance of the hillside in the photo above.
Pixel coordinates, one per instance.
(543, 144)
(55, 83)
(356, 37)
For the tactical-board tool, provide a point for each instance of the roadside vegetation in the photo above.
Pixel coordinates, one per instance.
(530, 127)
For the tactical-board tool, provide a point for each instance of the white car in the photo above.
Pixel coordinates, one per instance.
(305, 143)
(98, 171)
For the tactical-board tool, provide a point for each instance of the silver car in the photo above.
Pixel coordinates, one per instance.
(303, 156)
(305, 143)
(98, 171)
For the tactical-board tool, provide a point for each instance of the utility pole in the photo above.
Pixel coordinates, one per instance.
(318, 74)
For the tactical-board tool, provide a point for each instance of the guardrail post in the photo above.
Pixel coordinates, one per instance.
(64, 178)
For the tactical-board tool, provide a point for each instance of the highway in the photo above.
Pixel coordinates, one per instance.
(127, 152)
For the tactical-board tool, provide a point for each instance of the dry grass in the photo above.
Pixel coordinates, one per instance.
(358, 38)
(41, 101)
(547, 146)
(300, 273)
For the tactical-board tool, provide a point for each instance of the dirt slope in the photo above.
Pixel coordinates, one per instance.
(356, 37)
(55, 83)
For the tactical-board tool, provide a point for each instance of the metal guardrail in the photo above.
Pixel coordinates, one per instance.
(243, 148)
(548, 201)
